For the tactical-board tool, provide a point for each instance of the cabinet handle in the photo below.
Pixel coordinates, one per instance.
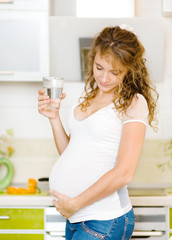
(56, 234)
(6, 73)
(6, 1)
(147, 233)
(4, 217)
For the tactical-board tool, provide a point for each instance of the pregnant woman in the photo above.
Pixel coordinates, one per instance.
(107, 128)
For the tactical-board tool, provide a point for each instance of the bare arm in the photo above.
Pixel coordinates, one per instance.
(60, 137)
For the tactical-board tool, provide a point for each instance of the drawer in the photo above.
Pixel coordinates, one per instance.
(170, 218)
(21, 218)
(22, 236)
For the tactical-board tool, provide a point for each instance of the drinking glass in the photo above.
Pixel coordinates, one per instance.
(54, 88)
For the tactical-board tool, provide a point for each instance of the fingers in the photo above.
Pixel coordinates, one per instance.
(43, 97)
(55, 193)
(41, 91)
(55, 103)
(44, 101)
(63, 95)
(55, 204)
(42, 107)
(58, 195)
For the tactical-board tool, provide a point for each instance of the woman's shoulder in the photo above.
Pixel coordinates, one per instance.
(137, 110)
(138, 103)
(139, 99)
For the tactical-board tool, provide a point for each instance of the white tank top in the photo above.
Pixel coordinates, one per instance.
(91, 152)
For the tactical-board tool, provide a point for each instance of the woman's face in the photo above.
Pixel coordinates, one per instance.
(106, 77)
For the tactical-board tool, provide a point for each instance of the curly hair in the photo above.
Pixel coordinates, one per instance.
(123, 45)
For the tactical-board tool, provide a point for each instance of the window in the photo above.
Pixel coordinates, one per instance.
(105, 8)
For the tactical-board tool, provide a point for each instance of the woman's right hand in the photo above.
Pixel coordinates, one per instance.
(44, 100)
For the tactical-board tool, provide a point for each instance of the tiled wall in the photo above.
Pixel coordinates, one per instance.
(35, 150)
(34, 158)
(155, 165)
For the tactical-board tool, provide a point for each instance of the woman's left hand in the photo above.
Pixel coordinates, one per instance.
(64, 204)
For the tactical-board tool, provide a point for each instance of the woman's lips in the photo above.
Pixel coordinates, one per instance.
(104, 85)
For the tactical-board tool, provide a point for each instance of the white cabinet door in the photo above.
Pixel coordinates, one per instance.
(167, 7)
(24, 4)
(23, 45)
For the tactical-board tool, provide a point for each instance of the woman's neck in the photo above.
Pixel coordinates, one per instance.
(106, 95)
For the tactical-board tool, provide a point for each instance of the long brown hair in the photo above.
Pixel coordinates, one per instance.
(125, 46)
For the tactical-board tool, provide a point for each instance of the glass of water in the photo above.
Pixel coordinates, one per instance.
(54, 88)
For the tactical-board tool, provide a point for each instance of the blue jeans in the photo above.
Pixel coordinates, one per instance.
(120, 228)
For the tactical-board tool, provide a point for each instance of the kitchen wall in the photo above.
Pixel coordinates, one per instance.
(149, 170)
(65, 33)
(152, 8)
(34, 148)
(35, 151)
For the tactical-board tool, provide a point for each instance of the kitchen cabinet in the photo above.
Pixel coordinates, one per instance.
(22, 236)
(170, 221)
(167, 7)
(54, 225)
(23, 4)
(153, 217)
(21, 223)
(24, 41)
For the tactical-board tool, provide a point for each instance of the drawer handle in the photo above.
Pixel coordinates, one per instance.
(6, 73)
(147, 233)
(56, 234)
(4, 217)
(6, 1)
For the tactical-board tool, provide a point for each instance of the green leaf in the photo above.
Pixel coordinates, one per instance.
(39, 190)
(9, 131)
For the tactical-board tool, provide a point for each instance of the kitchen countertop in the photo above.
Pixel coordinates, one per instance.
(44, 201)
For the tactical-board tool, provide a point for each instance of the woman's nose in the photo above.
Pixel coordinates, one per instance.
(105, 78)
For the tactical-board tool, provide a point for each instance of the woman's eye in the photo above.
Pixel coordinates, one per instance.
(98, 68)
(115, 73)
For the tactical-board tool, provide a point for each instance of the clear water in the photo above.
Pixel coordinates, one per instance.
(54, 92)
